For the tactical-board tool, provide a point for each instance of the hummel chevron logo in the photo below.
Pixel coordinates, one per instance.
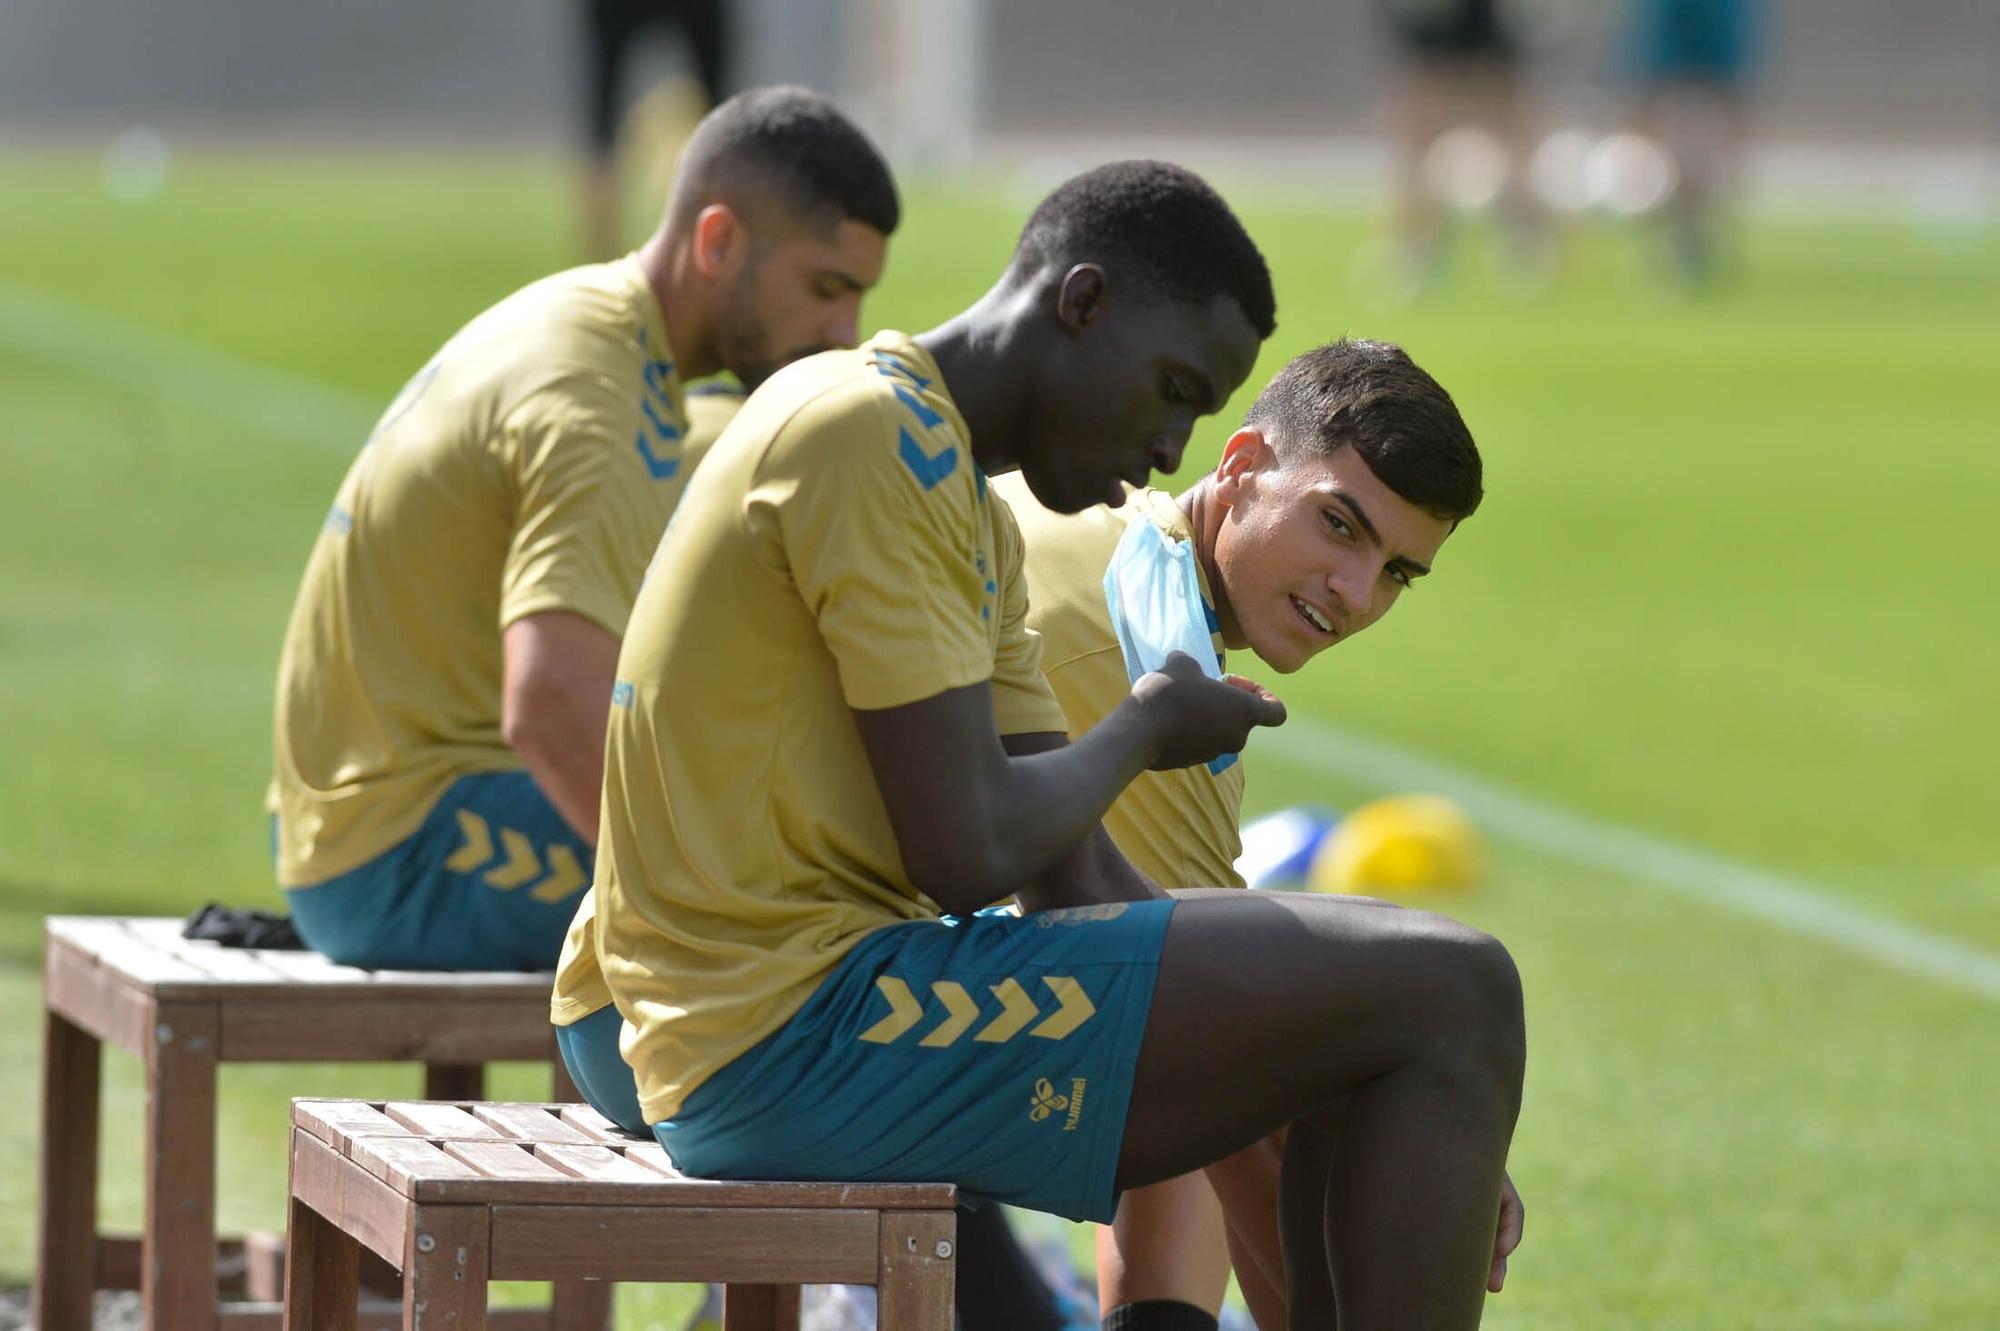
(521, 866)
(927, 418)
(928, 469)
(657, 467)
(1072, 1009)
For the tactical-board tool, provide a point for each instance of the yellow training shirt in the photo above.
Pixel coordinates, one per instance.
(839, 549)
(1180, 827)
(529, 467)
(580, 989)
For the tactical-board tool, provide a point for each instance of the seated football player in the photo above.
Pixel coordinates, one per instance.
(438, 751)
(1348, 473)
(832, 747)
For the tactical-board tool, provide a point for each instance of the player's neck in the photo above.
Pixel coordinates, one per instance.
(1205, 517)
(979, 353)
(669, 272)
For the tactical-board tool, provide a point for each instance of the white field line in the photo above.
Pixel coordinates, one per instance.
(174, 369)
(85, 341)
(1792, 905)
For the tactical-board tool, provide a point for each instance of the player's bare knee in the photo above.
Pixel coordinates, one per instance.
(1479, 991)
(1496, 1022)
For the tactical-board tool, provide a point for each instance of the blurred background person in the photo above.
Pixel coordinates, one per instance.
(1461, 129)
(1690, 63)
(613, 30)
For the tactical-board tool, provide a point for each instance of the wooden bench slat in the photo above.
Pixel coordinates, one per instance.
(531, 1123)
(525, 982)
(503, 1160)
(111, 942)
(313, 968)
(593, 1124)
(336, 1121)
(433, 1119)
(674, 1194)
(231, 965)
(600, 1164)
(654, 1157)
(363, 1023)
(148, 950)
(403, 1162)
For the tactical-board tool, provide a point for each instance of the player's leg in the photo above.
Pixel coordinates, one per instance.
(608, 27)
(1168, 1243)
(1246, 1186)
(998, 1287)
(706, 23)
(1273, 1009)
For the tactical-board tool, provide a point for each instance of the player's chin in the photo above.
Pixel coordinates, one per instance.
(1058, 494)
(1284, 653)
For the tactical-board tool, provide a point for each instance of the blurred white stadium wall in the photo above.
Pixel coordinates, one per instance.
(1846, 86)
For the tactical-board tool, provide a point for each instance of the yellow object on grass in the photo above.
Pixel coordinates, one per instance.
(1400, 844)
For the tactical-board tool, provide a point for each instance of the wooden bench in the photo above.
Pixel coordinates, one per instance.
(459, 1194)
(183, 1008)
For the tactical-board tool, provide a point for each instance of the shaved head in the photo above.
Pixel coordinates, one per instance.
(782, 158)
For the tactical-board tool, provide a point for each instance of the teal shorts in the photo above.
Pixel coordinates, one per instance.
(589, 1049)
(490, 882)
(992, 1051)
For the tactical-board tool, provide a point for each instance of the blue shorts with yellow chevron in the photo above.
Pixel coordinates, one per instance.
(489, 882)
(991, 1051)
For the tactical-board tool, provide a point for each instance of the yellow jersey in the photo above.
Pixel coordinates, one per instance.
(1179, 827)
(838, 550)
(529, 467)
(580, 989)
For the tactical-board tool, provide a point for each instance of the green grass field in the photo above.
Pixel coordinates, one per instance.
(1733, 586)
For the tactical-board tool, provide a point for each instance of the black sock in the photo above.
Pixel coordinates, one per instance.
(999, 1288)
(1158, 1315)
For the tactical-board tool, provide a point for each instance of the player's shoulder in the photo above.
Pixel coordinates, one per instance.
(584, 328)
(880, 409)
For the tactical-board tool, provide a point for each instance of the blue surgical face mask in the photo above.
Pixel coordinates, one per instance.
(1153, 591)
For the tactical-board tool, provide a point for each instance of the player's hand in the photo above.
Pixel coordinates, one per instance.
(1194, 718)
(1507, 1236)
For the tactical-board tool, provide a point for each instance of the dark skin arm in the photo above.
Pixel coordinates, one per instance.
(1089, 873)
(975, 824)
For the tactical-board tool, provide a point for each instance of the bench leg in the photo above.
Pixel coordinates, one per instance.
(454, 1081)
(760, 1308)
(445, 1265)
(919, 1270)
(322, 1273)
(579, 1305)
(177, 1278)
(66, 1260)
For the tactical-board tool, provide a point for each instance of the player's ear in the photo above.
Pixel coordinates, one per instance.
(720, 241)
(1246, 454)
(1081, 298)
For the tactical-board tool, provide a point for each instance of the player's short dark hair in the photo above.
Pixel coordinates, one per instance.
(1371, 397)
(1154, 227)
(797, 146)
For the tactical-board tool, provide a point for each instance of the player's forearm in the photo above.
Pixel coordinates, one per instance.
(573, 780)
(1092, 873)
(1043, 811)
(559, 733)
(557, 671)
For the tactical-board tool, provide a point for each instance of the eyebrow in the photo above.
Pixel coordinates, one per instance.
(1412, 567)
(846, 279)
